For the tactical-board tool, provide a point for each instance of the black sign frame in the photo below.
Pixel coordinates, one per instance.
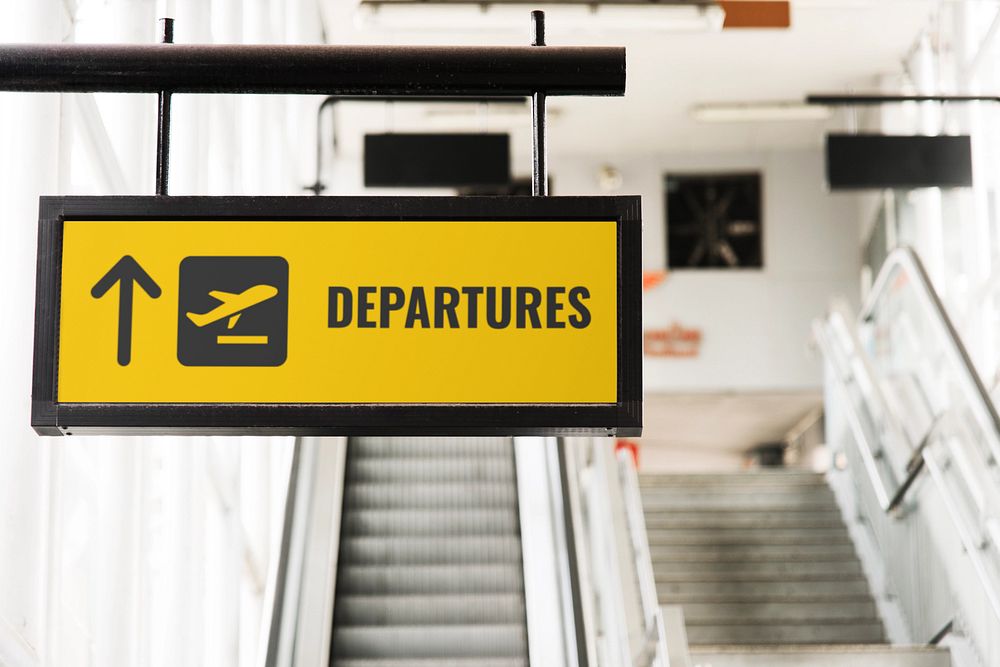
(623, 418)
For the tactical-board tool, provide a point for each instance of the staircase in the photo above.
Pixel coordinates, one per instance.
(429, 571)
(765, 572)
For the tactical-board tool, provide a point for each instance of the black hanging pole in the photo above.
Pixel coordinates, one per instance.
(539, 168)
(406, 71)
(163, 120)
(318, 187)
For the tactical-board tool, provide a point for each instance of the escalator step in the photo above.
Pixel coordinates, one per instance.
(429, 571)
(417, 522)
(431, 641)
(430, 447)
(430, 496)
(429, 579)
(381, 610)
(481, 550)
(430, 662)
(481, 469)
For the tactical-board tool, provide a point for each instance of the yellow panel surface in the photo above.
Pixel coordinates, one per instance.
(346, 364)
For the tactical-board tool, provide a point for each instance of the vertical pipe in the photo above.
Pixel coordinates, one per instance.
(539, 168)
(163, 120)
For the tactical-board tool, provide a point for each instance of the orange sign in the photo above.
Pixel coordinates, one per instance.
(674, 341)
(756, 13)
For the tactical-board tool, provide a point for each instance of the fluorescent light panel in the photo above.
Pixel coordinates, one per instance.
(759, 112)
(444, 17)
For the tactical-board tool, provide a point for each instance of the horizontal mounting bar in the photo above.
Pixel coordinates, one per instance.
(510, 71)
(433, 99)
(876, 99)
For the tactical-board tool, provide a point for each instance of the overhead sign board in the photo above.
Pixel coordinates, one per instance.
(340, 316)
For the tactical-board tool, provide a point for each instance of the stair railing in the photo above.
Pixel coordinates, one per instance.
(913, 400)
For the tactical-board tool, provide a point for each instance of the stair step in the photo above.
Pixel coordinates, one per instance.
(656, 520)
(819, 656)
(430, 447)
(431, 471)
(707, 613)
(444, 495)
(755, 570)
(757, 558)
(737, 484)
(768, 633)
(747, 536)
(430, 662)
(431, 641)
(682, 592)
(397, 522)
(760, 503)
(431, 550)
(429, 579)
(429, 610)
(777, 478)
(752, 552)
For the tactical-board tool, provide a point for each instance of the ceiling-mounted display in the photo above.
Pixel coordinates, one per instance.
(878, 161)
(436, 160)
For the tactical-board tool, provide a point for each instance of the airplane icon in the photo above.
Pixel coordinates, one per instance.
(232, 311)
(232, 307)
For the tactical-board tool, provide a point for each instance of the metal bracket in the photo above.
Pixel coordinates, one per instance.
(163, 120)
(539, 167)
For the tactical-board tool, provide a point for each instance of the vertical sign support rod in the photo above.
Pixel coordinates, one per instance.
(539, 168)
(163, 120)
(540, 188)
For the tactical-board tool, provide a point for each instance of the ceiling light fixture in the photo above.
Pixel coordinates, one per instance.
(759, 112)
(443, 17)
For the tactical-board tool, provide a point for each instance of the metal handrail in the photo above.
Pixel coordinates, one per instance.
(972, 385)
(826, 346)
(971, 545)
(978, 398)
(655, 645)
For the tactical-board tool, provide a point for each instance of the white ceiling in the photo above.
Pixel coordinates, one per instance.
(833, 45)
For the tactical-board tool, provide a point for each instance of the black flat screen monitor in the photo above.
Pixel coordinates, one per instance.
(859, 161)
(436, 160)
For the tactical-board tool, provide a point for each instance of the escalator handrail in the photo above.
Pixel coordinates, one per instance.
(907, 260)
(654, 649)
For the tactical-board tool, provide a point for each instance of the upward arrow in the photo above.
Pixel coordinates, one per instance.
(126, 272)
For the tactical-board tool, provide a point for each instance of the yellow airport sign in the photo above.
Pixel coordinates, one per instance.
(338, 315)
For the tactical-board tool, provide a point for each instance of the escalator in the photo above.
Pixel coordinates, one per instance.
(430, 565)
(461, 552)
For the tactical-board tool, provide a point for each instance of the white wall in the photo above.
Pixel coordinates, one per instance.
(755, 323)
(133, 551)
(28, 149)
